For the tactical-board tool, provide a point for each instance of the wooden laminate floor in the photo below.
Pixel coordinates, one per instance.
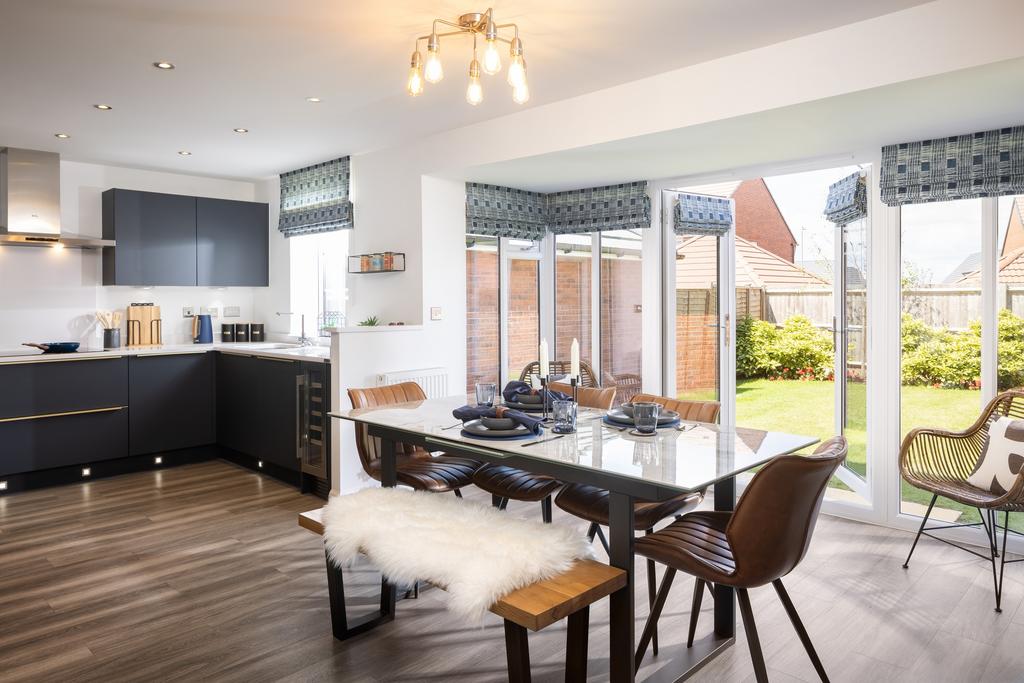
(200, 573)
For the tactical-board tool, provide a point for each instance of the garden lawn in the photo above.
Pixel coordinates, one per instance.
(809, 408)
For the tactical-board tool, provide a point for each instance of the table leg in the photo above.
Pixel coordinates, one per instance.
(621, 603)
(387, 462)
(725, 596)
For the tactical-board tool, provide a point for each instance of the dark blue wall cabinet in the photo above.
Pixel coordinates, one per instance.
(233, 247)
(178, 240)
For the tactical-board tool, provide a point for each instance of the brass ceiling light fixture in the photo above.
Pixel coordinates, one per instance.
(479, 25)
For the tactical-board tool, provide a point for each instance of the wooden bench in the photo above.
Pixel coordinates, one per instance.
(534, 607)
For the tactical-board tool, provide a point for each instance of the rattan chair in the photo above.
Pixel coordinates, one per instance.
(506, 483)
(561, 368)
(939, 461)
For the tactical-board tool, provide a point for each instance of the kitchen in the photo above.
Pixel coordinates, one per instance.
(152, 385)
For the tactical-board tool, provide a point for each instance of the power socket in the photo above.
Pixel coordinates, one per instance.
(187, 312)
(211, 311)
(232, 312)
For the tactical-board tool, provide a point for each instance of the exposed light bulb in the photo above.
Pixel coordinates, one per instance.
(517, 72)
(492, 59)
(521, 94)
(432, 70)
(474, 92)
(517, 67)
(415, 83)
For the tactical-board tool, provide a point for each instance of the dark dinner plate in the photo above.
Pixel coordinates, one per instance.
(665, 417)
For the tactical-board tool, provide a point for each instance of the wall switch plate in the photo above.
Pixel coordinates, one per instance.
(435, 313)
(187, 312)
(210, 311)
(232, 312)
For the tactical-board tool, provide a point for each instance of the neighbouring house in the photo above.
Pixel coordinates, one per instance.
(1014, 239)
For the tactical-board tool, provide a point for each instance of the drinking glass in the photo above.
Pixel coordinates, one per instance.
(645, 416)
(485, 392)
(565, 416)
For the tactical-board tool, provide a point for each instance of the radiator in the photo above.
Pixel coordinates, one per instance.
(433, 381)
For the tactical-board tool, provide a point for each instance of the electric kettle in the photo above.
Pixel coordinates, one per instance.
(202, 329)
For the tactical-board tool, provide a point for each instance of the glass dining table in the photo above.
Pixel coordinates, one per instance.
(679, 459)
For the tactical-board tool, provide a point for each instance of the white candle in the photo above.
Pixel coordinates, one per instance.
(574, 359)
(545, 366)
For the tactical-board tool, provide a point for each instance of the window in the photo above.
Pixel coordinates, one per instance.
(941, 330)
(483, 359)
(573, 294)
(319, 263)
(621, 311)
(523, 297)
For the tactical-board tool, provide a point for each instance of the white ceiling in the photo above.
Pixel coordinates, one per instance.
(958, 102)
(252, 63)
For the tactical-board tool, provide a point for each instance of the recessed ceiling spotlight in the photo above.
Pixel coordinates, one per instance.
(62, 136)
(103, 107)
(166, 66)
(185, 153)
(314, 100)
(241, 130)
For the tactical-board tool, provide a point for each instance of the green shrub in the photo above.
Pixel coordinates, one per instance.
(802, 351)
(797, 350)
(754, 342)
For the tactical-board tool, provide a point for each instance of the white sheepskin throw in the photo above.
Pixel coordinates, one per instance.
(477, 553)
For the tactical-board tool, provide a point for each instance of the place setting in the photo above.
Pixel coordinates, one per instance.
(643, 419)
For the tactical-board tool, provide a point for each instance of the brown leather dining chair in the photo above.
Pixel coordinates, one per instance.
(764, 539)
(415, 467)
(591, 503)
(506, 483)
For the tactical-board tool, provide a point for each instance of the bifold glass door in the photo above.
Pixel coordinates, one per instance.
(700, 360)
(521, 305)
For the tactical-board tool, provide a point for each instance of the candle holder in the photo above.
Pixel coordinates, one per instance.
(574, 381)
(545, 398)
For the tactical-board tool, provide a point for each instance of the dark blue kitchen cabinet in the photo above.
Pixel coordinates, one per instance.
(179, 240)
(156, 238)
(64, 412)
(258, 401)
(171, 402)
(232, 243)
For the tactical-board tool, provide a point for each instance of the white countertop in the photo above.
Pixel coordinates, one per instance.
(316, 354)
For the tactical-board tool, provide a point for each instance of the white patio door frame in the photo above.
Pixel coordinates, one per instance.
(509, 250)
(726, 308)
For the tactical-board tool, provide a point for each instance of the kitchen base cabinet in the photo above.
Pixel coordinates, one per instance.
(171, 402)
(28, 445)
(258, 407)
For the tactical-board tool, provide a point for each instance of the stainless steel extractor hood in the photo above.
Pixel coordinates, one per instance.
(30, 202)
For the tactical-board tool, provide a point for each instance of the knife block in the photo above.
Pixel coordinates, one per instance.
(145, 328)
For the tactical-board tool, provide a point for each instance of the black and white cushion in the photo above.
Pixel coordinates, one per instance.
(1001, 458)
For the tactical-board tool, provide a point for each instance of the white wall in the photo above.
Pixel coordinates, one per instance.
(50, 295)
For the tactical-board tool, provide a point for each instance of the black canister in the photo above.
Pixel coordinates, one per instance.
(112, 338)
(241, 332)
(256, 332)
(227, 332)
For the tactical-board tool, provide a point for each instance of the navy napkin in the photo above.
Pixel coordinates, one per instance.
(516, 388)
(467, 413)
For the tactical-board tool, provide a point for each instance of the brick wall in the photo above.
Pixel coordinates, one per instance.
(572, 306)
(759, 220)
(482, 359)
(523, 315)
(621, 319)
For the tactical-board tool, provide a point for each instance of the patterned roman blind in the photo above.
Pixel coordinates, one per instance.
(847, 199)
(504, 212)
(315, 199)
(985, 164)
(612, 207)
(702, 214)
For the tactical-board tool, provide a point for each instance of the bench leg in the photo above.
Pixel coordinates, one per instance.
(341, 626)
(576, 635)
(517, 651)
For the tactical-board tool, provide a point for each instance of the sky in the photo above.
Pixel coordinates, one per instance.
(936, 238)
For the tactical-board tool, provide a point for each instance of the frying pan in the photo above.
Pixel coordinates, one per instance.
(56, 347)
